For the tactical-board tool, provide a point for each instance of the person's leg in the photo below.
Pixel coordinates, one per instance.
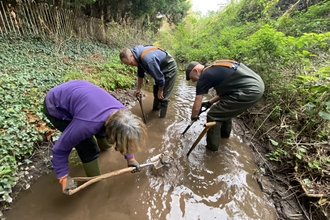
(213, 135)
(102, 143)
(88, 152)
(57, 123)
(226, 128)
(168, 88)
(222, 112)
(155, 106)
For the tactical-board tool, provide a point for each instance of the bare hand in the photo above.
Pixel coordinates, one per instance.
(160, 95)
(137, 93)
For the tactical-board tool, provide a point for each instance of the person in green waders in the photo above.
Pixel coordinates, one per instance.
(237, 88)
(160, 65)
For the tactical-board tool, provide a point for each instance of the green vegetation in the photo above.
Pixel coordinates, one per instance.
(289, 49)
(29, 68)
(287, 43)
(127, 12)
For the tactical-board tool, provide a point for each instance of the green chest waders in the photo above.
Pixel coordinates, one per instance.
(237, 92)
(168, 68)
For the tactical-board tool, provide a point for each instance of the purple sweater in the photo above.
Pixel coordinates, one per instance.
(87, 106)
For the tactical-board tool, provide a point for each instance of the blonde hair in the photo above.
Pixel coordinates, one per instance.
(124, 54)
(126, 130)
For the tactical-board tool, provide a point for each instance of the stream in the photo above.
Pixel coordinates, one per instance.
(206, 185)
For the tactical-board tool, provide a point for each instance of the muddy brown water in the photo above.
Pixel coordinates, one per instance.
(206, 185)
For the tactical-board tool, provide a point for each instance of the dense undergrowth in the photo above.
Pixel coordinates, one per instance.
(28, 69)
(290, 50)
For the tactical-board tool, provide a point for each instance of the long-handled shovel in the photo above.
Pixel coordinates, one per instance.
(207, 127)
(139, 98)
(192, 122)
(157, 162)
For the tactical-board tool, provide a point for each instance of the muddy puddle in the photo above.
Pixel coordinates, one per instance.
(206, 185)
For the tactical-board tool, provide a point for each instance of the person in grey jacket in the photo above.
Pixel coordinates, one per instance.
(237, 88)
(157, 63)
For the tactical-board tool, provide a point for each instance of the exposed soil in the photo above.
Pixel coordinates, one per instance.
(285, 197)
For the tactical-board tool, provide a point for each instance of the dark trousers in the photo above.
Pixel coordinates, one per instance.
(87, 149)
(169, 69)
(168, 88)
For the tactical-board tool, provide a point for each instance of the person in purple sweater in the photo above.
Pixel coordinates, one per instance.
(90, 120)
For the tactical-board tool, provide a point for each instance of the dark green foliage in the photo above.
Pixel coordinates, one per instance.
(128, 12)
(314, 19)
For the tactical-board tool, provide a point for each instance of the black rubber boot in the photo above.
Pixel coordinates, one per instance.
(155, 106)
(163, 109)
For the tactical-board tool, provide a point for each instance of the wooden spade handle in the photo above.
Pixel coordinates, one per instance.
(207, 127)
(91, 180)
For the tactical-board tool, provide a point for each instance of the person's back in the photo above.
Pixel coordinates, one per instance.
(237, 88)
(82, 100)
(160, 65)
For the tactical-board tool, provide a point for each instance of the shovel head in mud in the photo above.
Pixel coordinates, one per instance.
(157, 162)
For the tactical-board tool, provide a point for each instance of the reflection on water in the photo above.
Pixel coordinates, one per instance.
(206, 185)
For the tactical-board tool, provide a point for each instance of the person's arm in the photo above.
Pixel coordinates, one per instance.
(214, 99)
(60, 153)
(72, 136)
(139, 86)
(159, 77)
(131, 162)
(156, 73)
(160, 93)
(196, 107)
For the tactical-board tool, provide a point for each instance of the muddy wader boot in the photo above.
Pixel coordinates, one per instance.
(92, 168)
(163, 109)
(226, 129)
(213, 136)
(156, 104)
